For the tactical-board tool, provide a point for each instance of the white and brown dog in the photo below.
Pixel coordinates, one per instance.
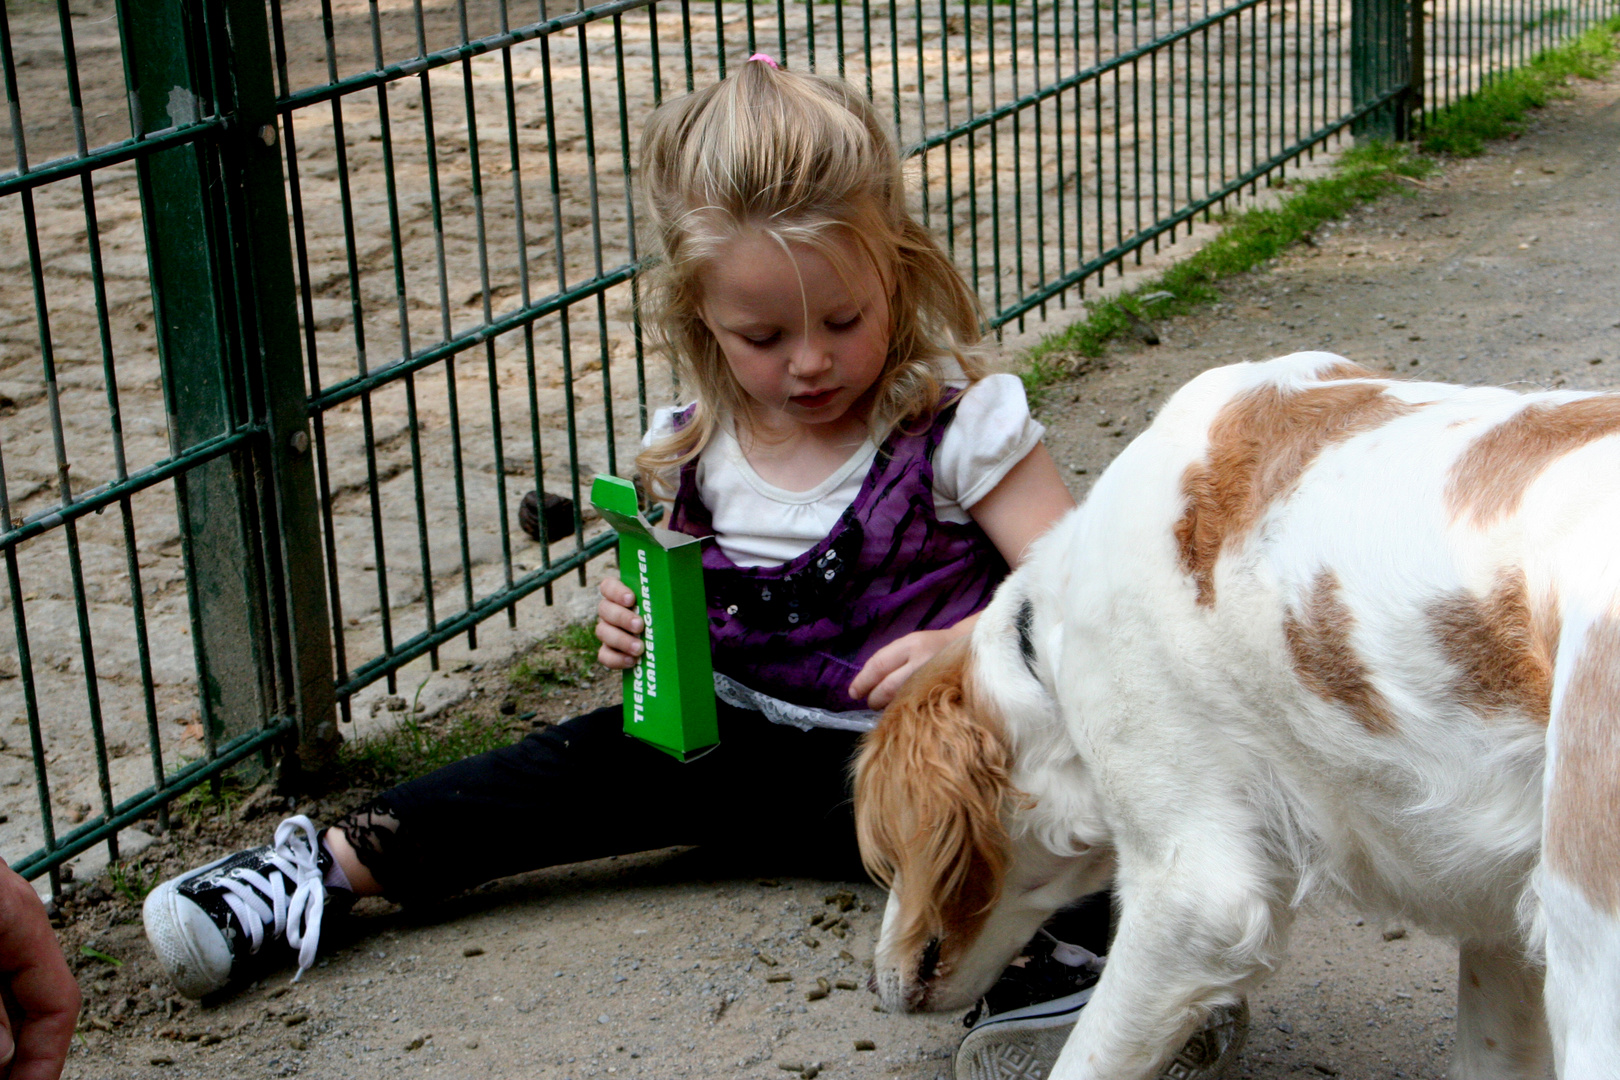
(1315, 631)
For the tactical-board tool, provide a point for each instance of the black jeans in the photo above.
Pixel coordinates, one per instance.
(585, 790)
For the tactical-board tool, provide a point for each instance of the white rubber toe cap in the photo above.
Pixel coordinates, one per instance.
(189, 946)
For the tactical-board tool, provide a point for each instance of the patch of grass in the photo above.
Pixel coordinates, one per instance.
(416, 748)
(565, 658)
(130, 881)
(205, 801)
(1497, 109)
(1251, 237)
(96, 954)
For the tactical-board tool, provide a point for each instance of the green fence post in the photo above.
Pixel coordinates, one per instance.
(1380, 62)
(256, 208)
(203, 393)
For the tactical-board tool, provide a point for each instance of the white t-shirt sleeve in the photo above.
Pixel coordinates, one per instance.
(991, 432)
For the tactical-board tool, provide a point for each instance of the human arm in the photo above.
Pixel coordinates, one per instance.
(41, 998)
(1027, 501)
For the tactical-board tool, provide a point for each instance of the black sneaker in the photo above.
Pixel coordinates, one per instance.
(1022, 1023)
(208, 925)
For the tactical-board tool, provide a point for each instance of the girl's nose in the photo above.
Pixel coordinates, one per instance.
(810, 359)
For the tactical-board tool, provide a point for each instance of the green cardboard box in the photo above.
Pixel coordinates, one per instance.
(669, 695)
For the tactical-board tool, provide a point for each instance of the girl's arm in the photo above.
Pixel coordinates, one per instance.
(1028, 501)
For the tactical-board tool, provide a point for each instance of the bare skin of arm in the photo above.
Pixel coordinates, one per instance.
(41, 998)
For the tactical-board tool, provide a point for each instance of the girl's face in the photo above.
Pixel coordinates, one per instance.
(805, 342)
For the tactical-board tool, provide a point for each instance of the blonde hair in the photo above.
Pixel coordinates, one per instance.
(804, 160)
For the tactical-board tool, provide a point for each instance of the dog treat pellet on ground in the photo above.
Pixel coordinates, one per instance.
(846, 984)
(822, 990)
(846, 955)
(780, 976)
(472, 950)
(812, 942)
(865, 1044)
(767, 959)
(790, 1066)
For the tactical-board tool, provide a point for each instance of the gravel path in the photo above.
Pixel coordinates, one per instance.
(667, 965)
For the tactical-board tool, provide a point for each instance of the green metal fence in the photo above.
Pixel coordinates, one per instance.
(299, 299)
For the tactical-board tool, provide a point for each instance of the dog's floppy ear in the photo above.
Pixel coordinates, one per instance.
(931, 782)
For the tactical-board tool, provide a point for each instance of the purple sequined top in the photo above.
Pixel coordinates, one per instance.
(802, 630)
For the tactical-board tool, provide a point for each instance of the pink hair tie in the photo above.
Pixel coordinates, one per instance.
(764, 59)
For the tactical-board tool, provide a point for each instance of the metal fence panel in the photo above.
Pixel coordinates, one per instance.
(300, 298)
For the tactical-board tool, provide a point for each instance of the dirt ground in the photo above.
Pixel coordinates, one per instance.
(1500, 270)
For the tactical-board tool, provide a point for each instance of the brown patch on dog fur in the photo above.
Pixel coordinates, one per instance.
(931, 782)
(1503, 650)
(1326, 661)
(1490, 478)
(1260, 444)
(1583, 830)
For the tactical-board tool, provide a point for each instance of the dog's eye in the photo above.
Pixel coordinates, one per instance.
(930, 960)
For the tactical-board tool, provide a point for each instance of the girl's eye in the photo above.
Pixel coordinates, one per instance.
(763, 342)
(845, 324)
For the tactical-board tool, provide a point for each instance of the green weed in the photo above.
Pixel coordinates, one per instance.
(96, 954)
(130, 881)
(1497, 109)
(566, 658)
(210, 800)
(415, 749)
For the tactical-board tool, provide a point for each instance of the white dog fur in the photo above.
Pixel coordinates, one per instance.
(1314, 632)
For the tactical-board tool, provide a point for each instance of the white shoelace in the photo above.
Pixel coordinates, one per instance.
(262, 903)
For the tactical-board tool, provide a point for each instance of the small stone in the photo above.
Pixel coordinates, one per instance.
(865, 1044)
(1394, 932)
(415, 1044)
(1285, 1027)
(471, 1044)
(472, 950)
(604, 1019)
(298, 1042)
(811, 1072)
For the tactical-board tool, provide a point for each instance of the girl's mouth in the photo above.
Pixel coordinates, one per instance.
(815, 400)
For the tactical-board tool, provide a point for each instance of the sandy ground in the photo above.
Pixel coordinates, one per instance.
(1497, 270)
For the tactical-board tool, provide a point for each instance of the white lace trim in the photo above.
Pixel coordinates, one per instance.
(262, 903)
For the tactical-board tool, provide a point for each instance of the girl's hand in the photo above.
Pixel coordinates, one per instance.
(892, 665)
(618, 627)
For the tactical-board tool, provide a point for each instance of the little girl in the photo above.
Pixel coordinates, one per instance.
(867, 486)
